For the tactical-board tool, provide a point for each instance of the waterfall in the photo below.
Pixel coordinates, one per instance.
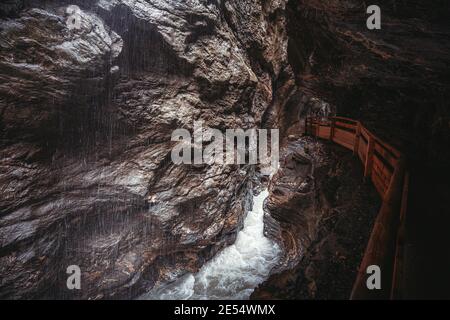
(235, 271)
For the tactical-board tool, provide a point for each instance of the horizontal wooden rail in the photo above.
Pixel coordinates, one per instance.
(385, 167)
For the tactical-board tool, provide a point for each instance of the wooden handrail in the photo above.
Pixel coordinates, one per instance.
(385, 166)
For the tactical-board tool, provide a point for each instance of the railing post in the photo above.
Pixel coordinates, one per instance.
(357, 137)
(369, 157)
(380, 250)
(317, 128)
(333, 120)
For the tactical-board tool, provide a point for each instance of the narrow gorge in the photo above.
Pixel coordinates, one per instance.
(88, 107)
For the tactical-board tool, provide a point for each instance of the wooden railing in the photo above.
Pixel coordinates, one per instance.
(385, 167)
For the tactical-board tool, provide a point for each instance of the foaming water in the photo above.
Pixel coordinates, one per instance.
(235, 271)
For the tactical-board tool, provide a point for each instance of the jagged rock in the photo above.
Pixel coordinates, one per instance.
(301, 157)
(87, 115)
(86, 121)
(322, 212)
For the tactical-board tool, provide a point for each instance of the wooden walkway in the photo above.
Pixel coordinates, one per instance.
(385, 167)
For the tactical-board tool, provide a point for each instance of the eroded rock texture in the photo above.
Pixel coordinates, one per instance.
(323, 214)
(86, 121)
(395, 80)
(86, 117)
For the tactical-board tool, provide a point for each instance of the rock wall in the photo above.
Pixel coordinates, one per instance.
(395, 80)
(86, 117)
(322, 215)
(86, 120)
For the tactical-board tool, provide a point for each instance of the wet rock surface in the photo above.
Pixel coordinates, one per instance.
(396, 81)
(86, 121)
(323, 213)
(86, 117)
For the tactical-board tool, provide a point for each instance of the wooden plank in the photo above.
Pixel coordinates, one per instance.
(344, 138)
(333, 126)
(384, 171)
(386, 154)
(378, 183)
(382, 174)
(324, 132)
(346, 119)
(369, 158)
(350, 127)
(380, 249)
(385, 145)
(322, 122)
(344, 135)
(362, 150)
(362, 155)
(340, 139)
(390, 148)
(364, 137)
(357, 138)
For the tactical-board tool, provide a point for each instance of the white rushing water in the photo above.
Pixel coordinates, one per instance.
(235, 271)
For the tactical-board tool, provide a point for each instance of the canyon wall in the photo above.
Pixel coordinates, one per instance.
(397, 82)
(87, 115)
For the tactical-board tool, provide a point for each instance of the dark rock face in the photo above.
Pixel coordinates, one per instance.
(323, 213)
(395, 80)
(86, 121)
